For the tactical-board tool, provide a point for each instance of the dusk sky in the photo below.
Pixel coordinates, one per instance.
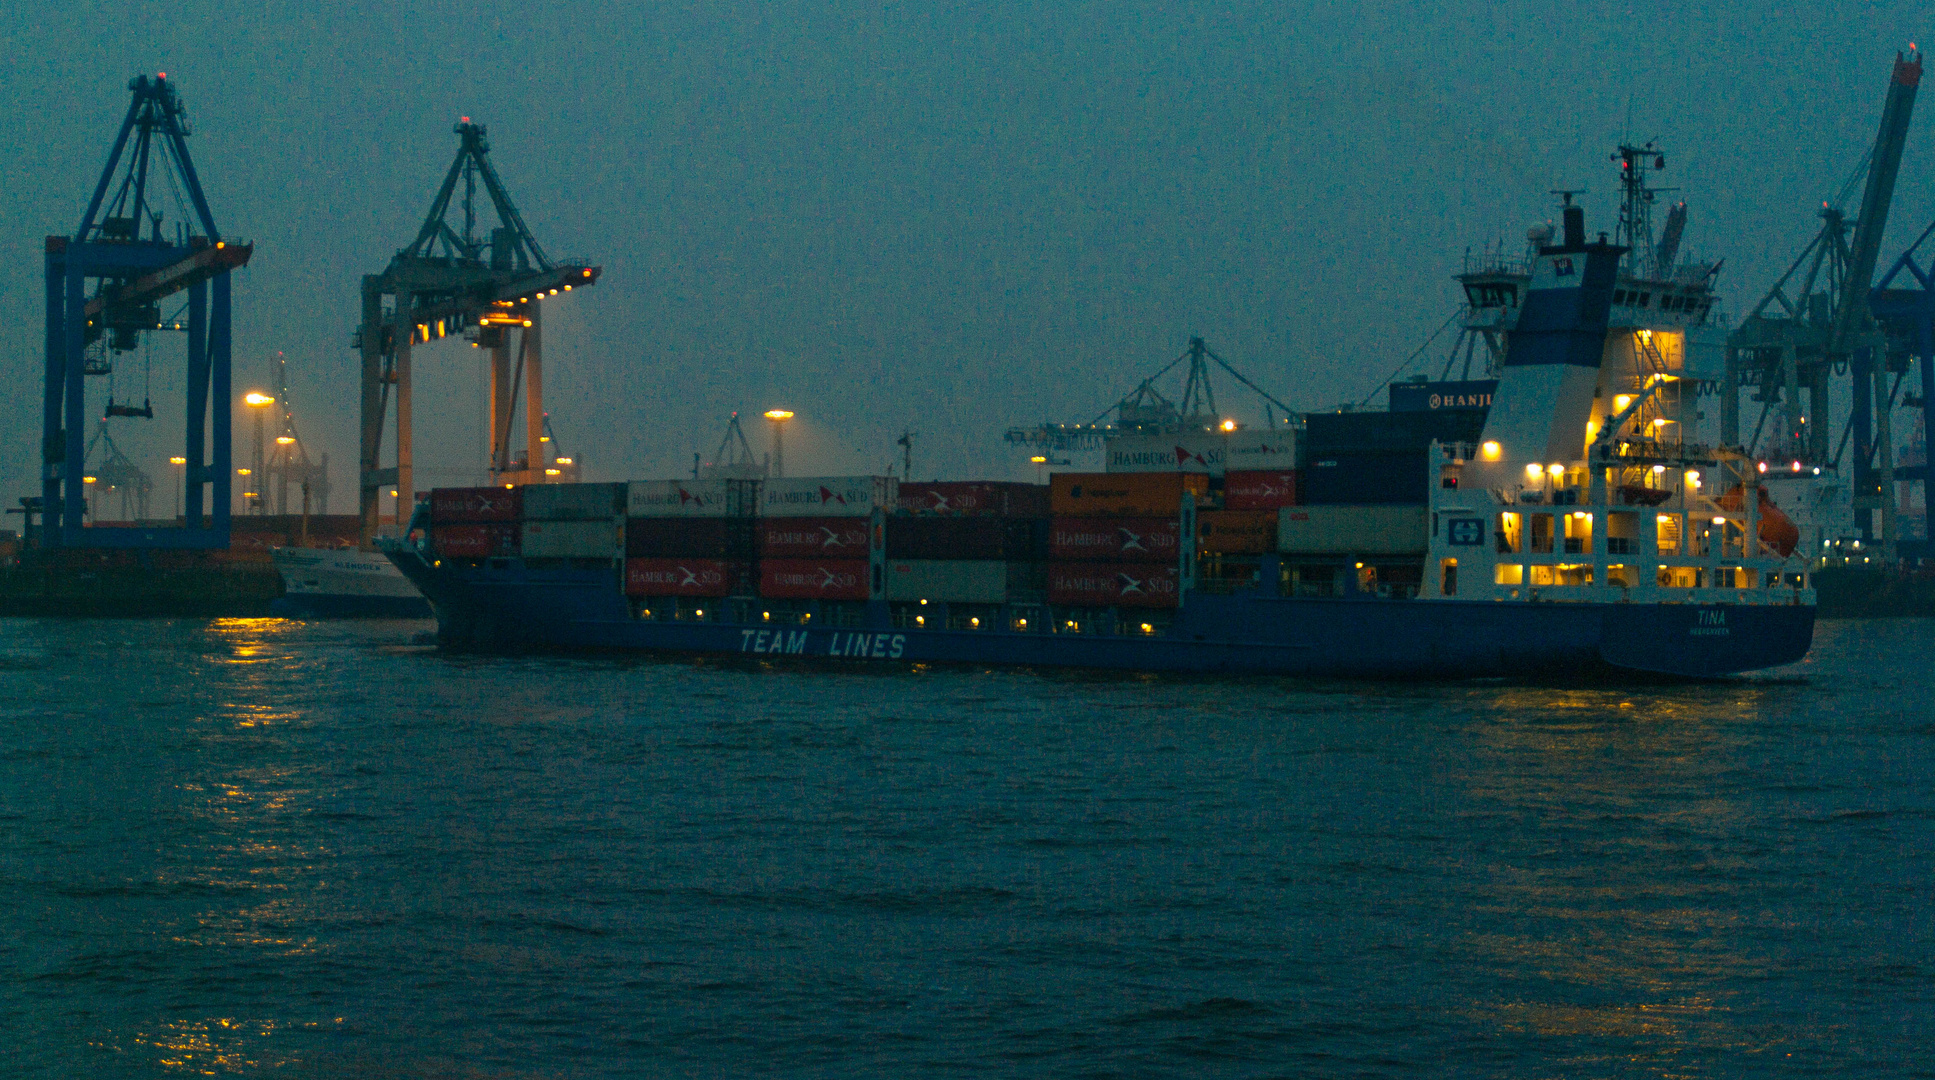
(952, 218)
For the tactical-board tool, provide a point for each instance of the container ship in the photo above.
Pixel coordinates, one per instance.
(1553, 531)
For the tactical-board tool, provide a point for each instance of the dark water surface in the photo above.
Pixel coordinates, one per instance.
(265, 847)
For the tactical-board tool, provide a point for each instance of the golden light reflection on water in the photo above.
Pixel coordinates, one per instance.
(249, 640)
(1613, 816)
(216, 1046)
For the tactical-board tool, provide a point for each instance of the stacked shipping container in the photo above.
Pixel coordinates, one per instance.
(689, 538)
(969, 545)
(816, 536)
(575, 522)
(1117, 538)
(476, 523)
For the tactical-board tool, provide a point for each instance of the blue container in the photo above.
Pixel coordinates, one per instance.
(1329, 434)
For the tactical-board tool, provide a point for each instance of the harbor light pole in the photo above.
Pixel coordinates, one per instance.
(258, 402)
(779, 418)
(179, 465)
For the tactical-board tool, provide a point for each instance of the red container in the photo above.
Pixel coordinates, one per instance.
(974, 498)
(1262, 490)
(1152, 540)
(813, 538)
(948, 537)
(681, 577)
(689, 538)
(476, 504)
(476, 541)
(1112, 585)
(814, 579)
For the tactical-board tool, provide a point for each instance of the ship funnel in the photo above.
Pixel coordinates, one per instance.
(1575, 227)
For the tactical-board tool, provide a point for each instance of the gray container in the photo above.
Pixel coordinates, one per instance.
(573, 502)
(959, 581)
(1352, 530)
(604, 539)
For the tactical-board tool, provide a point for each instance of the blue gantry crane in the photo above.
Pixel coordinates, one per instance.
(105, 287)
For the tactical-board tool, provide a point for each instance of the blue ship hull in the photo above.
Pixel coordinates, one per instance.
(1248, 633)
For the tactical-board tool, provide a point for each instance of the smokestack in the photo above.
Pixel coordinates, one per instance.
(1575, 227)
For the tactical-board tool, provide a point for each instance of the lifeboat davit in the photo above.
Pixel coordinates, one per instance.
(1777, 530)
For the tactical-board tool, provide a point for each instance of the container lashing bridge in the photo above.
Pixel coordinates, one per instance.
(105, 288)
(450, 281)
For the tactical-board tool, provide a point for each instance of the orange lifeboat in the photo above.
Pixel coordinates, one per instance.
(1777, 530)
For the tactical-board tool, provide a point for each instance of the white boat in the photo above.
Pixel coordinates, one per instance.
(344, 583)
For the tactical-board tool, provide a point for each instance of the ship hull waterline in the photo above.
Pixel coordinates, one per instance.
(1211, 634)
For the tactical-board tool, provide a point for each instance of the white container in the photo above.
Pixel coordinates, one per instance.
(1209, 452)
(827, 496)
(689, 498)
(1192, 452)
(603, 539)
(960, 581)
(573, 502)
(1259, 448)
(1352, 530)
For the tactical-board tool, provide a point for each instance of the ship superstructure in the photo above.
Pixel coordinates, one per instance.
(1574, 493)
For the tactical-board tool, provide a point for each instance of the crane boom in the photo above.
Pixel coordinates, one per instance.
(1885, 165)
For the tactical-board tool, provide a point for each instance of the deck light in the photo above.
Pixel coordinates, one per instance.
(1796, 467)
(554, 472)
(241, 472)
(1555, 469)
(564, 461)
(1229, 425)
(1763, 466)
(177, 461)
(284, 440)
(87, 479)
(1533, 470)
(1491, 450)
(1038, 460)
(258, 399)
(1693, 478)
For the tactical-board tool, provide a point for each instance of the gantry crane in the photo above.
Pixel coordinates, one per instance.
(448, 282)
(1816, 323)
(1146, 411)
(105, 286)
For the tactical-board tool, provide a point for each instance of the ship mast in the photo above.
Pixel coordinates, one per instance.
(1636, 209)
